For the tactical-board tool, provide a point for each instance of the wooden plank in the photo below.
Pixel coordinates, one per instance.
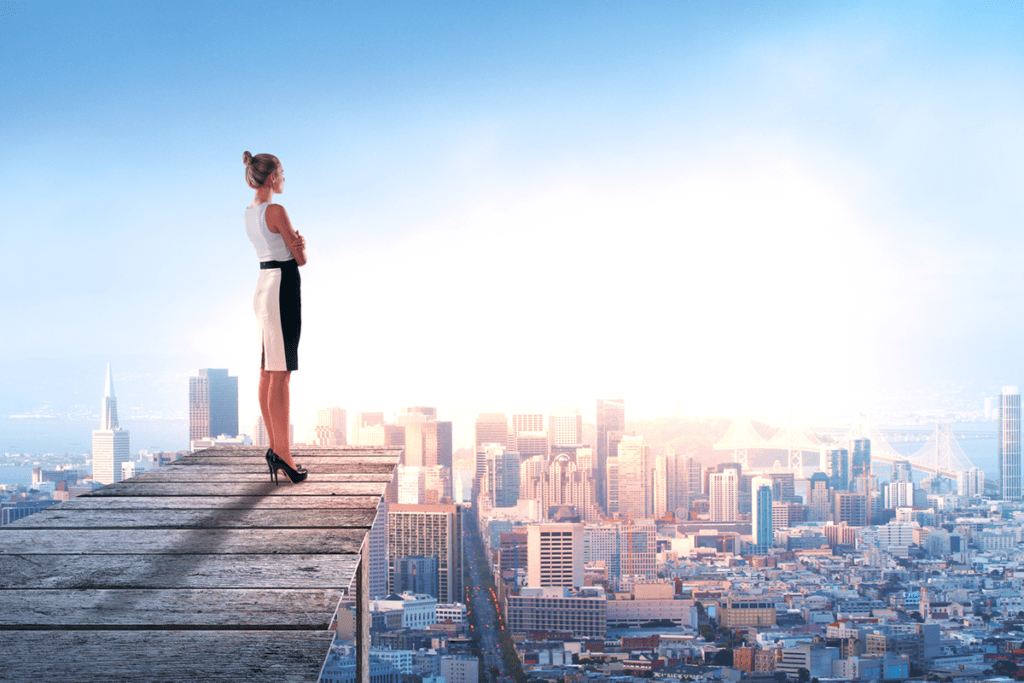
(16, 541)
(306, 460)
(60, 517)
(256, 472)
(164, 656)
(263, 488)
(88, 572)
(219, 503)
(304, 609)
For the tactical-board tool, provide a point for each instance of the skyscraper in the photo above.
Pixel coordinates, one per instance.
(554, 555)
(110, 443)
(970, 483)
(428, 531)
(761, 513)
(723, 494)
(611, 416)
(212, 405)
(860, 463)
(683, 481)
(565, 426)
(1009, 444)
(820, 497)
(331, 427)
(523, 422)
(836, 464)
(490, 428)
(502, 476)
(634, 494)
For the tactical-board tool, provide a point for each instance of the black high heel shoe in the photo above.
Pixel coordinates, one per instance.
(276, 463)
(270, 464)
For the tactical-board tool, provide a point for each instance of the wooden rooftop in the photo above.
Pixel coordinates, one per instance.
(202, 570)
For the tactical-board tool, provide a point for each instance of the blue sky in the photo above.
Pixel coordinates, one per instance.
(703, 207)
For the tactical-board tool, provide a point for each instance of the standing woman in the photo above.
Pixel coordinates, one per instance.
(280, 250)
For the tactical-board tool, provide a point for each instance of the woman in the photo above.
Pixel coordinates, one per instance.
(280, 250)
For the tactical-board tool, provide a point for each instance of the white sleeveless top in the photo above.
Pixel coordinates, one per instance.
(270, 246)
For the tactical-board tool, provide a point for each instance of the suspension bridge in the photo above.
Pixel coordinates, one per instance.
(940, 455)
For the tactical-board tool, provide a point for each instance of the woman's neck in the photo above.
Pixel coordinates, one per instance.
(263, 194)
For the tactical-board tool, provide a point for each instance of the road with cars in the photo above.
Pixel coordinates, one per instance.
(485, 622)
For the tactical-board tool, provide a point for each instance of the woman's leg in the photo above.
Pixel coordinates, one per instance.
(264, 394)
(278, 400)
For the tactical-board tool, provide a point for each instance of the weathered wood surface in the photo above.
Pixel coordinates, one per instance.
(17, 541)
(203, 570)
(229, 518)
(176, 571)
(261, 488)
(222, 503)
(162, 656)
(189, 608)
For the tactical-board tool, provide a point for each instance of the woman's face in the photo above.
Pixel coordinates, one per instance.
(277, 180)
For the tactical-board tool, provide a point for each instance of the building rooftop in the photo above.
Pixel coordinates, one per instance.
(200, 570)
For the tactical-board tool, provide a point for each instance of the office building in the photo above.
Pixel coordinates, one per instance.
(524, 422)
(761, 514)
(723, 494)
(212, 405)
(836, 464)
(899, 494)
(970, 483)
(634, 497)
(368, 421)
(746, 612)
(819, 497)
(259, 433)
(902, 471)
(1009, 444)
(428, 531)
(554, 555)
(851, 508)
(490, 428)
(565, 427)
(502, 475)
(683, 481)
(581, 612)
(628, 550)
(611, 417)
(416, 574)
(110, 443)
(331, 427)
(860, 463)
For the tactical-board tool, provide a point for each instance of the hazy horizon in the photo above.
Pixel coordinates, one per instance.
(703, 208)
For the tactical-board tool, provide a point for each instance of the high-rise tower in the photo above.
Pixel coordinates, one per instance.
(212, 405)
(611, 417)
(110, 443)
(1009, 444)
(724, 492)
(565, 427)
(761, 513)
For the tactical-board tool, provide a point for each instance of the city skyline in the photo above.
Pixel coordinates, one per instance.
(804, 207)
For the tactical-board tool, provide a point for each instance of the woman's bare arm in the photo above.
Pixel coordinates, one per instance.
(277, 221)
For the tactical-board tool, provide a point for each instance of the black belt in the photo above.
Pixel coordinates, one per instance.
(266, 265)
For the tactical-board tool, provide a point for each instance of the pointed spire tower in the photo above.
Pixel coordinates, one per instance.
(110, 443)
(108, 413)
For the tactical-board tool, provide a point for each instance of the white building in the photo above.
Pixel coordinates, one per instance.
(110, 443)
(455, 612)
(723, 494)
(418, 611)
(459, 669)
(554, 555)
(565, 427)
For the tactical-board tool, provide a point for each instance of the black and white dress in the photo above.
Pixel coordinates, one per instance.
(278, 301)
